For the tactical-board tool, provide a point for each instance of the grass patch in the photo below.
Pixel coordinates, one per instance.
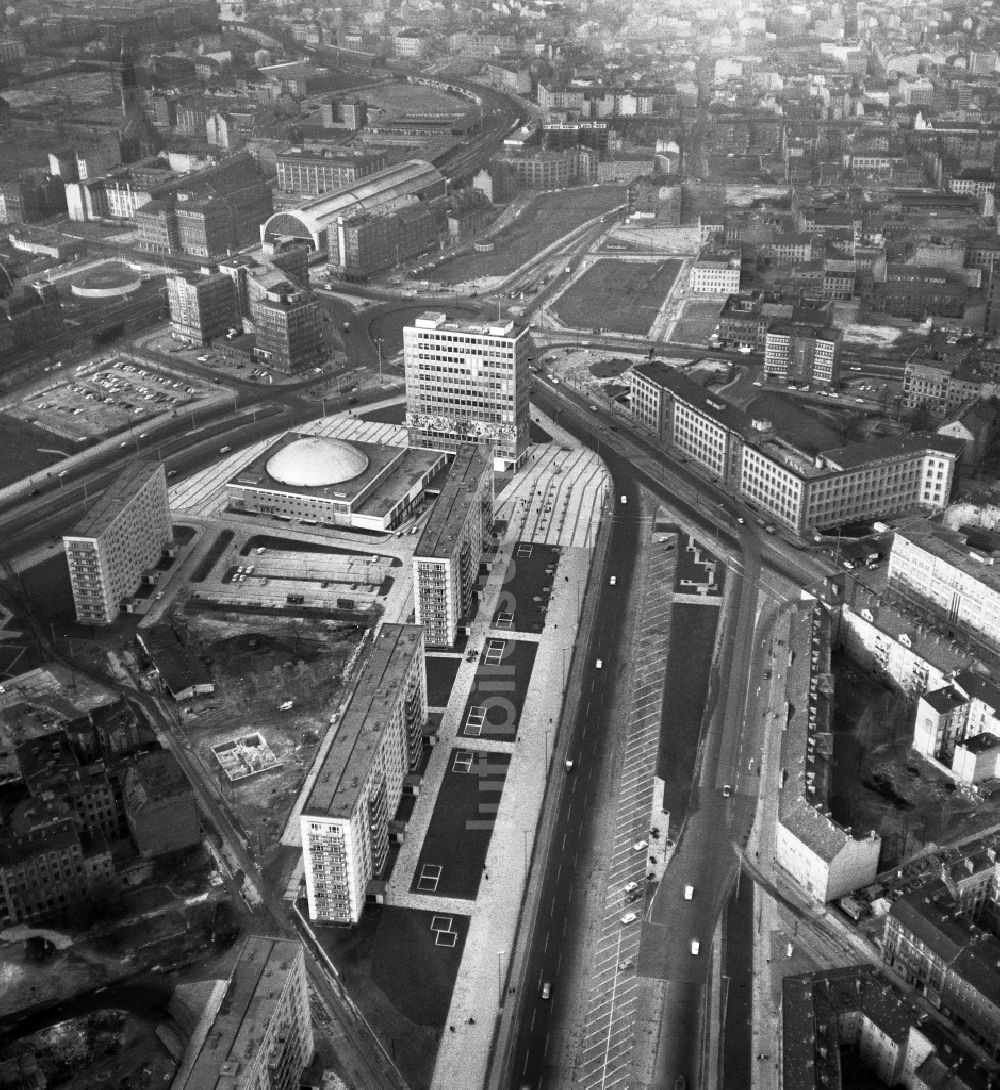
(527, 587)
(689, 667)
(496, 700)
(29, 449)
(441, 672)
(47, 585)
(416, 966)
(211, 558)
(453, 855)
(626, 294)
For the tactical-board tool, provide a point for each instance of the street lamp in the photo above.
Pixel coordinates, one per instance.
(500, 954)
(378, 345)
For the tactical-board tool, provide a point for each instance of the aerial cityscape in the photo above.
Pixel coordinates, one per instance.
(498, 516)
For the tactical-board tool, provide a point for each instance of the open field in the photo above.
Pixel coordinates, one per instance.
(622, 296)
(697, 321)
(453, 855)
(547, 219)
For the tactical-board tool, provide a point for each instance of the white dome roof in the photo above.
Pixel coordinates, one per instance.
(317, 461)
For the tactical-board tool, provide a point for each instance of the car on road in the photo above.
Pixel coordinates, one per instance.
(203, 359)
(770, 528)
(570, 765)
(727, 790)
(613, 580)
(593, 408)
(599, 664)
(695, 947)
(740, 519)
(547, 990)
(629, 917)
(225, 450)
(688, 893)
(624, 499)
(640, 845)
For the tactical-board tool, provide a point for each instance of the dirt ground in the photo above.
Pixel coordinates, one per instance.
(259, 664)
(879, 783)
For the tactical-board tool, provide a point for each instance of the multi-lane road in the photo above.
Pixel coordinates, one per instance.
(719, 819)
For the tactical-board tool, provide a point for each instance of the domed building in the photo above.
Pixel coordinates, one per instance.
(322, 480)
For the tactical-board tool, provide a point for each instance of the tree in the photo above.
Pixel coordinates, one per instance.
(38, 949)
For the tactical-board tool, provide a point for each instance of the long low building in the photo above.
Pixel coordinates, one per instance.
(315, 222)
(798, 489)
(824, 858)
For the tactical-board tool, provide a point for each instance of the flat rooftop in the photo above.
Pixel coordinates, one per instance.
(376, 693)
(444, 527)
(115, 497)
(437, 319)
(236, 1032)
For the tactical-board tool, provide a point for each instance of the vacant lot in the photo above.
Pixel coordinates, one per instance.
(498, 690)
(258, 666)
(452, 859)
(547, 219)
(697, 322)
(879, 783)
(622, 296)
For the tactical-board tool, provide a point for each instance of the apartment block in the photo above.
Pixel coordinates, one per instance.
(822, 857)
(939, 570)
(858, 1009)
(312, 171)
(47, 865)
(159, 805)
(944, 386)
(451, 545)
(716, 272)
(288, 326)
(799, 353)
(119, 538)
(255, 1031)
(202, 307)
(946, 957)
(468, 382)
(903, 650)
(345, 820)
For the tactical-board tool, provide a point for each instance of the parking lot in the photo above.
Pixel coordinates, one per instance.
(104, 396)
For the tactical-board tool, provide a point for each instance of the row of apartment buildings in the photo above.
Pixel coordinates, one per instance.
(803, 492)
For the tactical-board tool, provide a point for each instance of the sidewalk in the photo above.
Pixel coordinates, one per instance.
(481, 985)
